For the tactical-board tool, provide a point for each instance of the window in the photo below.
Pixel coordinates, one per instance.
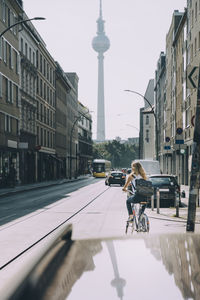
(1, 43)
(17, 95)
(48, 142)
(41, 112)
(147, 136)
(30, 56)
(10, 56)
(34, 58)
(41, 86)
(41, 136)
(5, 51)
(45, 115)
(26, 49)
(4, 12)
(8, 124)
(0, 85)
(195, 11)
(11, 91)
(147, 120)
(38, 142)
(8, 17)
(45, 137)
(17, 62)
(40, 63)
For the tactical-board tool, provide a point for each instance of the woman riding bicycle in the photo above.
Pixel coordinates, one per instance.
(137, 173)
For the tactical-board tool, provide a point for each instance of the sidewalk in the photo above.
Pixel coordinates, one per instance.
(170, 213)
(27, 187)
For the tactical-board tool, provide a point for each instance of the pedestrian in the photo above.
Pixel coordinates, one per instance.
(137, 173)
(12, 175)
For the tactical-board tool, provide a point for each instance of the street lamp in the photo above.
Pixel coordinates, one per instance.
(20, 22)
(132, 126)
(152, 110)
(70, 148)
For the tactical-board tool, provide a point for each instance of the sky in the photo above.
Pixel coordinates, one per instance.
(137, 33)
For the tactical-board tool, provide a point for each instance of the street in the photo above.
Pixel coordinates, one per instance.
(93, 209)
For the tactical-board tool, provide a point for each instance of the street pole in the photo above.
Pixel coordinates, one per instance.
(195, 168)
(153, 111)
(20, 22)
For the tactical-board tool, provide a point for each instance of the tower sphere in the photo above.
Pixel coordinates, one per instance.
(101, 43)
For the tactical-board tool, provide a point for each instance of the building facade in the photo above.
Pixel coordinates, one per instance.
(84, 140)
(10, 13)
(160, 102)
(63, 87)
(72, 126)
(147, 124)
(28, 110)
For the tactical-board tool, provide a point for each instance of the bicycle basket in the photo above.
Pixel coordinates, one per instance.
(144, 187)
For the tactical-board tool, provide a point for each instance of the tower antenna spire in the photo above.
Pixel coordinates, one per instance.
(100, 10)
(100, 44)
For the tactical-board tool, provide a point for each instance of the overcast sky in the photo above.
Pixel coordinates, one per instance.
(137, 32)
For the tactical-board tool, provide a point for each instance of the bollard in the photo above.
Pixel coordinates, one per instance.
(177, 204)
(152, 202)
(158, 200)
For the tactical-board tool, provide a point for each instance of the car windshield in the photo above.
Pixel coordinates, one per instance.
(158, 181)
(116, 174)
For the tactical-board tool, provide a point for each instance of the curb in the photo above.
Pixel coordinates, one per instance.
(13, 192)
(172, 218)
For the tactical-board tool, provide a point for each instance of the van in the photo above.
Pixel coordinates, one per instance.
(150, 166)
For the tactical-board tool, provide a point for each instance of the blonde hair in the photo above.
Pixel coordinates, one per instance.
(139, 170)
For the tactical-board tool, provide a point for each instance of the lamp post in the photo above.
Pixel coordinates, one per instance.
(156, 123)
(20, 22)
(133, 126)
(70, 147)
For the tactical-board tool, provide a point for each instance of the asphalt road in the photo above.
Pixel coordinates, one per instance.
(93, 209)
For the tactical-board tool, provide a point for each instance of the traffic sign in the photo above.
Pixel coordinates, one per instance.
(179, 142)
(167, 139)
(179, 130)
(167, 147)
(192, 78)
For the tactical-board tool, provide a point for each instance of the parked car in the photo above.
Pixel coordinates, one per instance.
(169, 189)
(115, 177)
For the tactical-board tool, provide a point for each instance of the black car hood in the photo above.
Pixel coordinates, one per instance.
(144, 267)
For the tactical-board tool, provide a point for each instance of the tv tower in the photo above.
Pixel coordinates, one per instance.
(100, 44)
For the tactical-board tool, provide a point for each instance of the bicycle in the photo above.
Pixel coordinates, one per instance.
(140, 222)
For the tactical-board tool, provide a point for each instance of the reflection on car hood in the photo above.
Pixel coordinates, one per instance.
(145, 267)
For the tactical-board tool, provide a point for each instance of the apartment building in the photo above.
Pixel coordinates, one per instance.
(84, 140)
(63, 88)
(170, 106)
(28, 40)
(160, 102)
(180, 63)
(45, 120)
(147, 124)
(72, 128)
(10, 12)
(38, 107)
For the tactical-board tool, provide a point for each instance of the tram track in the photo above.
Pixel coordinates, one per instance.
(51, 231)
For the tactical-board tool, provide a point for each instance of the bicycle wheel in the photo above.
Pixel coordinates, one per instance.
(144, 223)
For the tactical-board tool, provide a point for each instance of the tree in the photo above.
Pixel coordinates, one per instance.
(120, 154)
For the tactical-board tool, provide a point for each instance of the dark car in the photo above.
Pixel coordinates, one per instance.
(105, 269)
(168, 187)
(116, 177)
